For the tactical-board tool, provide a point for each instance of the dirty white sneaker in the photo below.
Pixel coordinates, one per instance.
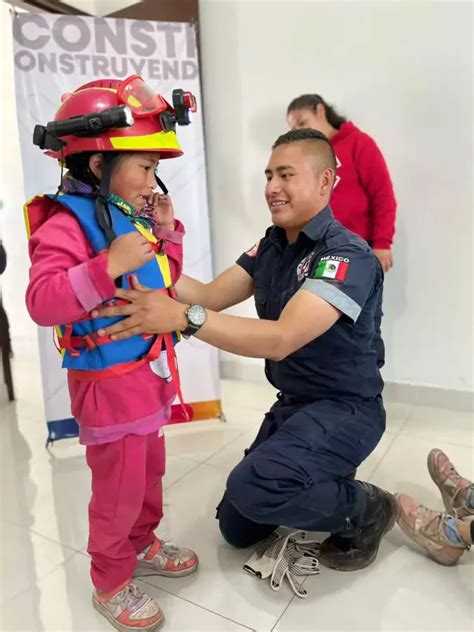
(128, 609)
(161, 558)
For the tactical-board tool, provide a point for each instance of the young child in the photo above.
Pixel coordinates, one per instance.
(106, 223)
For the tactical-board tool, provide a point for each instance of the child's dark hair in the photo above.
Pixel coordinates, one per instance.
(78, 167)
(311, 102)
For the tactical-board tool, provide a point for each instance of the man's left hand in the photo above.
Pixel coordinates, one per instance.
(384, 255)
(148, 311)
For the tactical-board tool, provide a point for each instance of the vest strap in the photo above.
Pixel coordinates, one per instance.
(70, 343)
(90, 341)
(173, 367)
(119, 369)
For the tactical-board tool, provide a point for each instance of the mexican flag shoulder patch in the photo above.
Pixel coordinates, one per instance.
(332, 268)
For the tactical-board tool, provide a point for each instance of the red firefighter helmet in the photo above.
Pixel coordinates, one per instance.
(154, 119)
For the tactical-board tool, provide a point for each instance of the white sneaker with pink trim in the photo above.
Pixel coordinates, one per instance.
(129, 609)
(167, 560)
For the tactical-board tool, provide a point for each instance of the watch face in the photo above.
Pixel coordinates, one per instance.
(197, 315)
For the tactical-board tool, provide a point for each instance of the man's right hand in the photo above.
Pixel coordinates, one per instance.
(128, 253)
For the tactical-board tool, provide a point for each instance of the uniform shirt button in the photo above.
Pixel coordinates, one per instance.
(275, 299)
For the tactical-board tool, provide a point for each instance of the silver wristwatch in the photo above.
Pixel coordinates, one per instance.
(196, 316)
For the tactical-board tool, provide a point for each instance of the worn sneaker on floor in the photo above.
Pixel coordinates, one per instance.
(128, 609)
(167, 560)
(428, 529)
(455, 490)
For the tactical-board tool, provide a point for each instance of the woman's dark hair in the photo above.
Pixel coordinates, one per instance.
(311, 102)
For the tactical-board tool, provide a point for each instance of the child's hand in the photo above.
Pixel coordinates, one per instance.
(163, 210)
(127, 253)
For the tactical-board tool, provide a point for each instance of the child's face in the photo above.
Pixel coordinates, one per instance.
(133, 178)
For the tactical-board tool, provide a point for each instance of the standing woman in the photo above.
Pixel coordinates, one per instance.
(363, 199)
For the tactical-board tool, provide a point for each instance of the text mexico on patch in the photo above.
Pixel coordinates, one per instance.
(332, 268)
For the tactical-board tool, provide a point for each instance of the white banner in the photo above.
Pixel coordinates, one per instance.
(56, 54)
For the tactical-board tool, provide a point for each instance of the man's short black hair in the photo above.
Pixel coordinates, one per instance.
(321, 143)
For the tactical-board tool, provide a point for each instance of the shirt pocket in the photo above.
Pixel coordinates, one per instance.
(261, 302)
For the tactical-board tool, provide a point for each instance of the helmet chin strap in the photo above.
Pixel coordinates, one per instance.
(104, 217)
(61, 177)
(161, 184)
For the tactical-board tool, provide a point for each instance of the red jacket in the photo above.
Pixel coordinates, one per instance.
(363, 199)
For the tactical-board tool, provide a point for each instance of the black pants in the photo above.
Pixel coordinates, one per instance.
(297, 471)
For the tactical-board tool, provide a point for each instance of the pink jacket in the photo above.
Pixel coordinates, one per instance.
(67, 280)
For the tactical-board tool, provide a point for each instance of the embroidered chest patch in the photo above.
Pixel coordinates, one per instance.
(303, 267)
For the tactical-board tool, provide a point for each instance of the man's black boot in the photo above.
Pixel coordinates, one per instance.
(358, 549)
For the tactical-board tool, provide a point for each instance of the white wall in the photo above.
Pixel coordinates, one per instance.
(401, 71)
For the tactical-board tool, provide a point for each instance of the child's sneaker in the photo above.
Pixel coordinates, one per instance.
(167, 560)
(455, 490)
(127, 608)
(429, 529)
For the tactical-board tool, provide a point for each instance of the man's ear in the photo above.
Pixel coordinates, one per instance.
(327, 181)
(95, 165)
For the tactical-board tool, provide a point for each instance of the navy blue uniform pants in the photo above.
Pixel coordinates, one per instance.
(297, 472)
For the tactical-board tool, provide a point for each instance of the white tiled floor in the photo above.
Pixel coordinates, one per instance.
(45, 577)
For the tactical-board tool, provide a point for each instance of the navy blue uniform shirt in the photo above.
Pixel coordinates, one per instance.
(335, 264)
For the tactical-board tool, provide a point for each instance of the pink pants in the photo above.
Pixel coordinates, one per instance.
(126, 504)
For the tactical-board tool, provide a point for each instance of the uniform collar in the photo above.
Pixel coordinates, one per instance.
(314, 229)
(317, 226)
